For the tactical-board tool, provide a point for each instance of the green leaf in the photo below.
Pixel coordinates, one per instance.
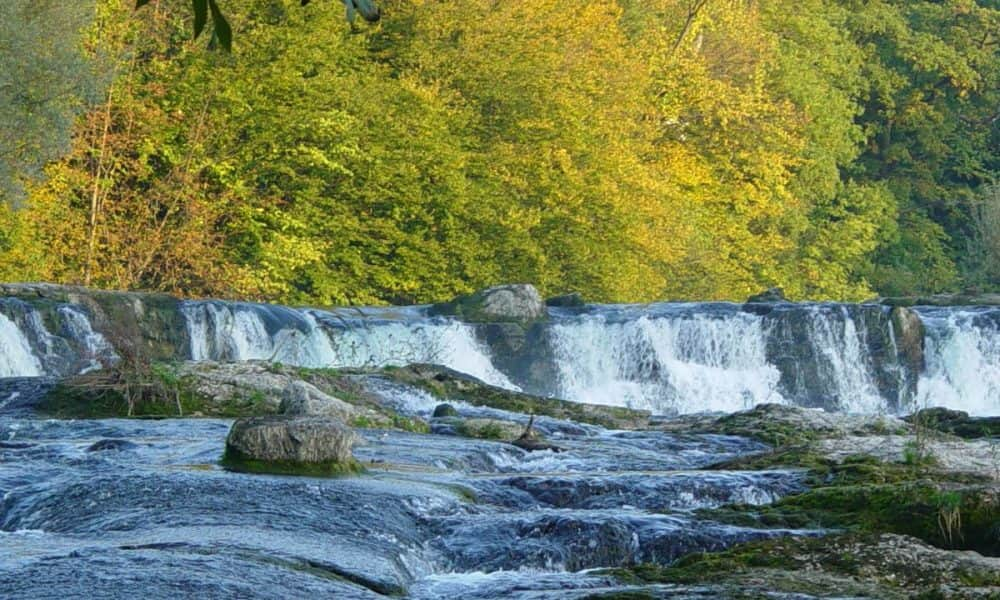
(140, 3)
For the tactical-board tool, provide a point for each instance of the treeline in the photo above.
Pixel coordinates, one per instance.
(631, 150)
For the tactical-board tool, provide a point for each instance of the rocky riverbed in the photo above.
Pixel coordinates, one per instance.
(777, 501)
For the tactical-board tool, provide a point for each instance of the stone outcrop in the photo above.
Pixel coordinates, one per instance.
(908, 332)
(133, 322)
(305, 399)
(518, 303)
(447, 384)
(957, 422)
(290, 445)
(779, 424)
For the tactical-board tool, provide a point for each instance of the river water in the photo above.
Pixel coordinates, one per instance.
(122, 508)
(126, 508)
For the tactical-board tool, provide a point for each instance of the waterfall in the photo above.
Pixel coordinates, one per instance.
(666, 358)
(843, 364)
(667, 363)
(315, 338)
(963, 360)
(16, 357)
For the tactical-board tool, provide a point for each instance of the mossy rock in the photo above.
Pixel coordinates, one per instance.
(234, 461)
(487, 429)
(858, 565)
(446, 384)
(949, 516)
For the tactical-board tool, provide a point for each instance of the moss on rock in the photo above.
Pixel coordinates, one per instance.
(236, 461)
(446, 384)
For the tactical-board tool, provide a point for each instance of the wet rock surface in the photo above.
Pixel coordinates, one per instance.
(301, 398)
(502, 303)
(286, 443)
(779, 424)
(698, 506)
(434, 517)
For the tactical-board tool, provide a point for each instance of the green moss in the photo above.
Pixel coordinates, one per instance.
(939, 514)
(235, 461)
(88, 397)
(447, 386)
(488, 431)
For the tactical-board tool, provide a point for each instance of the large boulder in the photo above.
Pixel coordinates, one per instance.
(301, 398)
(291, 445)
(518, 303)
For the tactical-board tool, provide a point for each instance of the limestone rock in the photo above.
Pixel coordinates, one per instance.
(303, 398)
(502, 303)
(908, 331)
(290, 444)
(956, 422)
(780, 424)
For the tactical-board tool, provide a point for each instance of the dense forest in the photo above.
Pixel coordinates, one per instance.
(631, 150)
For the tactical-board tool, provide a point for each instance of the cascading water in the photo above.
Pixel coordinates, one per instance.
(667, 358)
(963, 360)
(16, 357)
(29, 348)
(667, 362)
(314, 338)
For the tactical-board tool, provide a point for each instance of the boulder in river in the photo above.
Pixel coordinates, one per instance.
(518, 303)
(293, 445)
(444, 410)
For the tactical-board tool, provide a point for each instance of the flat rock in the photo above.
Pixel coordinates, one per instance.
(780, 424)
(976, 457)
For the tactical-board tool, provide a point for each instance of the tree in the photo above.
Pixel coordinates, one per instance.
(45, 80)
(222, 32)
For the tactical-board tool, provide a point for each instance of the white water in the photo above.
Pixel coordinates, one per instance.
(16, 356)
(664, 358)
(239, 332)
(844, 365)
(963, 363)
(678, 364)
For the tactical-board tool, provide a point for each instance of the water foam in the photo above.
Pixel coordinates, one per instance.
(962, 361)
(16, 356)
(666, 364)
